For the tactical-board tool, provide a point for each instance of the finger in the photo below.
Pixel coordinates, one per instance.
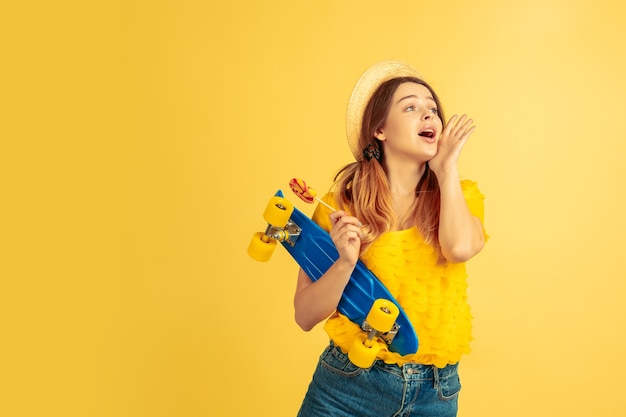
(467, 134)
(347, 240)
(464, 124)
(347, 219)
(347, 229)
(351, 237)
(450, 124)
(467, 122)
(335, 216)
(460, 125)
(463, 139)
(464, 128)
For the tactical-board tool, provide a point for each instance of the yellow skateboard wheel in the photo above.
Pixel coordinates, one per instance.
(382, 315)
(278, 211)
(362, 355)
(261, 247)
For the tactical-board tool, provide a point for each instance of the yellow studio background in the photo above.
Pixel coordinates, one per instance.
(141, 142)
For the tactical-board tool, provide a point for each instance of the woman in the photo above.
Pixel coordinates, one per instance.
(405, 212)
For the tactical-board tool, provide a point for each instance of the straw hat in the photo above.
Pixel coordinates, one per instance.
(362, 92)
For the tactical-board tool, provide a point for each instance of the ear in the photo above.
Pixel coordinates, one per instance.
(379, 134)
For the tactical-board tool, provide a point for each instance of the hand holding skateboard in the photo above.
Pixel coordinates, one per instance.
(365, 300)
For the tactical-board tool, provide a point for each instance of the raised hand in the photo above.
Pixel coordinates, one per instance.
(452, 139)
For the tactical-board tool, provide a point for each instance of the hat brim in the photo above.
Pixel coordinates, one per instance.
(362, 92)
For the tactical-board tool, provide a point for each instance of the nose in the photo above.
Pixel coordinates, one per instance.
(427, 115)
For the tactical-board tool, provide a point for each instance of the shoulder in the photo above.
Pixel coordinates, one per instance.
(471, 190)
(475, 201)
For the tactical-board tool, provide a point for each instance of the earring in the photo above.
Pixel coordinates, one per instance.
(372, 151)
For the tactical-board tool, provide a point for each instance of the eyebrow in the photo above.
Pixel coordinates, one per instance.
(414, 96)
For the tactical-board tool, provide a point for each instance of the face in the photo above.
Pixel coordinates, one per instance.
(412, 127)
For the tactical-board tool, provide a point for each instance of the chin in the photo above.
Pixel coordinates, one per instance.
(429, 155)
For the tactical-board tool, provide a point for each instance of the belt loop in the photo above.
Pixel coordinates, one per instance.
(436, 376)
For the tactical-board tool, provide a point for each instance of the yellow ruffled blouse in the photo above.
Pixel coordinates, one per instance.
(433, 295)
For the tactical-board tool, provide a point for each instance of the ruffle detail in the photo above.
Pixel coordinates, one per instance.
(433, 295)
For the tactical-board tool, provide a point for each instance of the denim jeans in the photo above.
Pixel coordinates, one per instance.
(340, 389)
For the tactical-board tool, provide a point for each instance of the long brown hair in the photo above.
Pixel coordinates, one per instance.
(362, 187)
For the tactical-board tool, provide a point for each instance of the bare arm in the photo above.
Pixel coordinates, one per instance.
(461, 234)
(315, 301)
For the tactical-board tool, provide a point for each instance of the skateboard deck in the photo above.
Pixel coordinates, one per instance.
(313, 249)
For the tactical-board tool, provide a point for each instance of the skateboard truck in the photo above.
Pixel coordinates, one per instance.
(289, 233)
(280, 228)
(380, 323)
(387, 336)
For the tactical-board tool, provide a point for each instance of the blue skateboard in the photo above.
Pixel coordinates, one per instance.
(365, 300)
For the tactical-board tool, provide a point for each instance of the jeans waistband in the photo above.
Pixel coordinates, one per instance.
(410, 370)
(417, 370)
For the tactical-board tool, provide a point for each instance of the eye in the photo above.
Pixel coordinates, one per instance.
(410, 108)
(434, 110)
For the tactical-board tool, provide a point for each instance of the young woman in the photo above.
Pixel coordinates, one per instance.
(405, 212)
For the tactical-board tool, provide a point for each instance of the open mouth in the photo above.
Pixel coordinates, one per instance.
(427, 133)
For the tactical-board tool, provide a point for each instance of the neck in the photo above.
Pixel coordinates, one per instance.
(403, 180)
